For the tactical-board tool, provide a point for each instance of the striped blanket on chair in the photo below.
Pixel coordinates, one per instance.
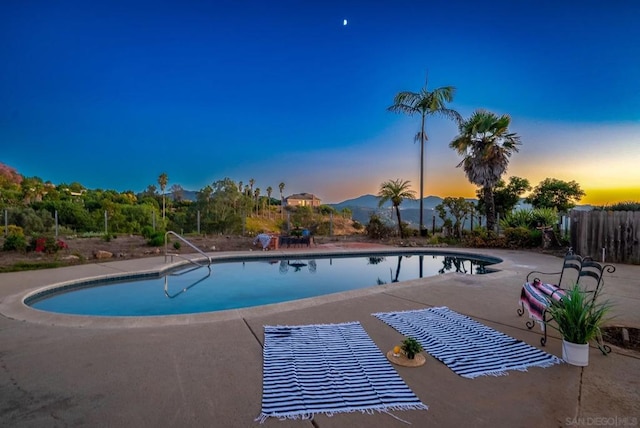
(535, 297)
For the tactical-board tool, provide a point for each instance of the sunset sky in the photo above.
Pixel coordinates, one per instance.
(113, 93)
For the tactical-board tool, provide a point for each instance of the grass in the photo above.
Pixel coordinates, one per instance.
(25, 266)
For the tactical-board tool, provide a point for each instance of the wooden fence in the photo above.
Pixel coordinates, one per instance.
(612, 236)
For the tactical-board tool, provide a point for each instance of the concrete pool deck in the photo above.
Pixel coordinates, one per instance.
(206, 370)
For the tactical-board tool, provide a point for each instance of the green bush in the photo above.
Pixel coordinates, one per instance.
(522, 237)
(545, 217)
(156, 240)
(15, 242)
(147, 232)
(376, 229)
(177, 245)
(518, 218)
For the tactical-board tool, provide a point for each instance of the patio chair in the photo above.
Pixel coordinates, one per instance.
(536, 293)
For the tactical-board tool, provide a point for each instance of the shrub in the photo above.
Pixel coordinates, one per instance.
(156, 240)
(147, 232)
(518, 218)
(15, 242)
(522, 237)
(545, 217)
(357, 225)
(48, 245)
(376, 229)
(177, 245)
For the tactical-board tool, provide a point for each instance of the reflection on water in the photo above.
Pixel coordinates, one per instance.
(207, 274)
(297, 265)
(233, 285)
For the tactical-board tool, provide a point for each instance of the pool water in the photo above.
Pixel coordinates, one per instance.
(233, 285)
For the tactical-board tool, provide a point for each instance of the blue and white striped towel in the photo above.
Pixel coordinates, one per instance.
(467, 347)
(328, 369)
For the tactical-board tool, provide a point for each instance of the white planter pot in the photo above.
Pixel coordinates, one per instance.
(575, 354)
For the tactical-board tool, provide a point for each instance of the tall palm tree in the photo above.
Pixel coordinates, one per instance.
(395, 191)
(425, 103)
(162, 181)
(281, 187)
(257, 195)
(269, 192)
(486, 145)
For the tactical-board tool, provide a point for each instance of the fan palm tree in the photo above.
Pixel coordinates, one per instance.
(425, 103)
(395, 191)
(163, 179)
(486, 145)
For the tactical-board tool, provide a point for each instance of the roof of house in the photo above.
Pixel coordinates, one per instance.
(303, 196)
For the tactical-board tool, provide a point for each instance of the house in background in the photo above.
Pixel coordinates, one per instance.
(302, 200)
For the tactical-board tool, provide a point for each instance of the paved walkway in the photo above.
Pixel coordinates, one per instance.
(206, 370)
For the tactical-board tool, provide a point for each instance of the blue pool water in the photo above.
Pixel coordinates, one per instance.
(232, 285)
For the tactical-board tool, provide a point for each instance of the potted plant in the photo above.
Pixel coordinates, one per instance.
(578, 318)
(411, 347)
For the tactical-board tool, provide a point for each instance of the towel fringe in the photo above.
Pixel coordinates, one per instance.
(370, 411)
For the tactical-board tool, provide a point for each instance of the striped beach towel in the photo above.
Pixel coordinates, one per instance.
(328, 369)
(535, 297)
(467, 347)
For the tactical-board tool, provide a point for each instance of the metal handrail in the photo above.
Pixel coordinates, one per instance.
(184, 290)
(166, 252)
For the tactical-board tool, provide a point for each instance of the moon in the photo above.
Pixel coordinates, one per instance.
(344, 22)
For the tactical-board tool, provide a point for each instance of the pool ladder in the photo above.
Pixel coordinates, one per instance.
(168, 255)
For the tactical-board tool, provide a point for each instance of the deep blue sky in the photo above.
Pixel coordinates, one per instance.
(112, 94)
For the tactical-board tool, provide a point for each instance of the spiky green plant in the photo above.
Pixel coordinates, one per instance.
(578, 316)
(545, 217)
(411, 347)
(517, 218)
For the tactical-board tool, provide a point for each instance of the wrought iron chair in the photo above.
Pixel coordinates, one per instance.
(536, 294)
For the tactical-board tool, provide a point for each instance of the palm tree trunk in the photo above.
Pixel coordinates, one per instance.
(491, 208)
(399, 221)
(421, 174)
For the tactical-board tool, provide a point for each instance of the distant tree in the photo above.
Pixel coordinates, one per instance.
(425, 103)
(162, 181)
(257, 196)
(177, 192)
(554, 193)
(33, 189)
(395, 191)
(505, 196)
(9, 175)
(251, 183)
(269, 192)
(458, 208)
(486, 145)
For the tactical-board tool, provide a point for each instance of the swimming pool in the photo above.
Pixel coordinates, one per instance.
(247, 283)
